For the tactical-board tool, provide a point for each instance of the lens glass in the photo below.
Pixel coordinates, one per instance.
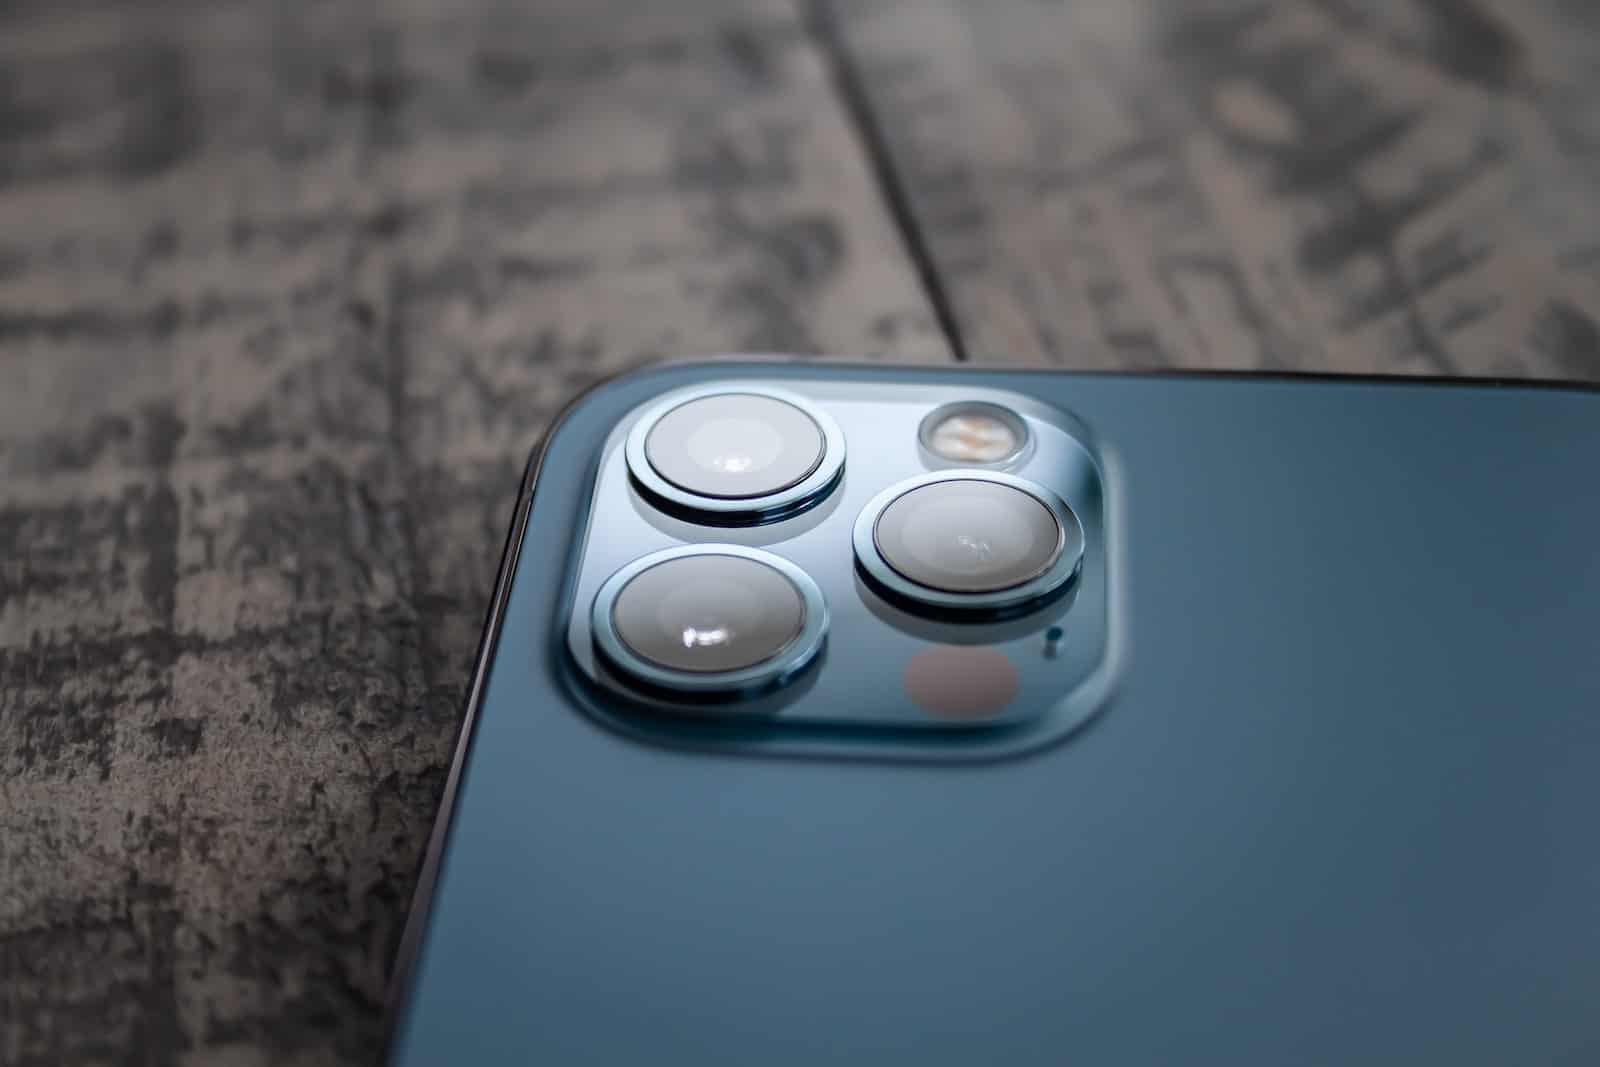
(968, 536)
(734, 446)
(708, 613)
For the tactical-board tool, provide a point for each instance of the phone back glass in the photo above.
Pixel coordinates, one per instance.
(1338, 806)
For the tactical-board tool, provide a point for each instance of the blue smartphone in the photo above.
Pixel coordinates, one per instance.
(862, 714)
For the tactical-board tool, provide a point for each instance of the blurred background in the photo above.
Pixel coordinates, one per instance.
(288, 290)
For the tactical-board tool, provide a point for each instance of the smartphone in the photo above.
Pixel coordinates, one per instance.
(864, 714)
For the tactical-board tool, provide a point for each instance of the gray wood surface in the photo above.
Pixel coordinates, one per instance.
(1394, 186)
(286, 294)
(288, 290)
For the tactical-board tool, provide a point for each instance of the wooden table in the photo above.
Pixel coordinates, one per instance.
(287, 290)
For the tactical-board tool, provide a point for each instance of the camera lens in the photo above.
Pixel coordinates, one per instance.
(969, 540)
(735, 446)
(735, 456)
(709, 617)
(968, 536)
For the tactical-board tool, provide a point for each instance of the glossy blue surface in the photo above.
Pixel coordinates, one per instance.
(1338, 808)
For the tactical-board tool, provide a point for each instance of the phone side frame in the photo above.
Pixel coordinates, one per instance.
(420, 909)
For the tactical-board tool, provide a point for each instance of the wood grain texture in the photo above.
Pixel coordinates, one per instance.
(286, 294)
(1398, 186)
(288, 290)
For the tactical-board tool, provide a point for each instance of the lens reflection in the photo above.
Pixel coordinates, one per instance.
(968, 536)
(734, 446)
(708, 613)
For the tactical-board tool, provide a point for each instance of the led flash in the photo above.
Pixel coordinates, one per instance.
(974, 433)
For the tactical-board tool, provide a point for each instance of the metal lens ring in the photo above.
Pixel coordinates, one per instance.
(709, 619)
(735, 455)
(969, 541)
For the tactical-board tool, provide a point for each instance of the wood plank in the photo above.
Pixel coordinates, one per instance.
(1353, 185)
(286, 294)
